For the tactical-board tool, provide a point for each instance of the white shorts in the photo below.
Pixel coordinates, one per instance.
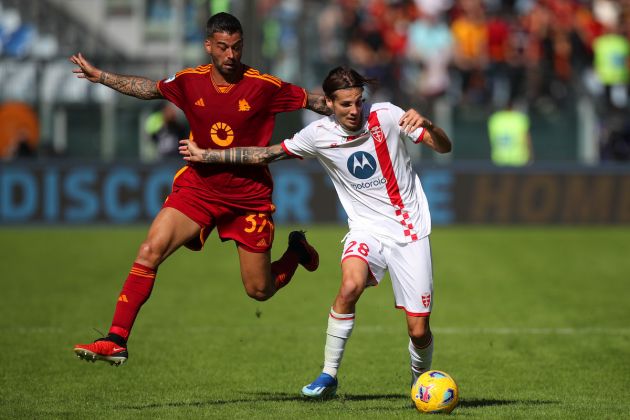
(409, 267)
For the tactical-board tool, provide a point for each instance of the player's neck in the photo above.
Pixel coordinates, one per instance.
(351, 130)
(221, 79)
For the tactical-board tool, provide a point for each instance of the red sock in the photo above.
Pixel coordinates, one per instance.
(135, 292)
(283, 269)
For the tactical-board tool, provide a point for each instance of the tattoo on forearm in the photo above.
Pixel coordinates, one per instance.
(244, 155)
(212, 156)
(317, 103)
(138, 87)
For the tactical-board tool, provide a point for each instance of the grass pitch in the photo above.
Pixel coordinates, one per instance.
(531, 322)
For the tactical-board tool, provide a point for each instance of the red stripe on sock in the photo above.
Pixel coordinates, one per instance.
(339, 318)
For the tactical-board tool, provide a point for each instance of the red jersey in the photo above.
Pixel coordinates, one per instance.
(222, 117)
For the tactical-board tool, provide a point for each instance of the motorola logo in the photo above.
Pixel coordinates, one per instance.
(362, 165)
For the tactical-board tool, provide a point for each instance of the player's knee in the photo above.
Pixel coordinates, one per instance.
(419, 333)
(149, 254)
(350, 290)
(258, 293)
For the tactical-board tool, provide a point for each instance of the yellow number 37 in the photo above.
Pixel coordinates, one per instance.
(257, 222)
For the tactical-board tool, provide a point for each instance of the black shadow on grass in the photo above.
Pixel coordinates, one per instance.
(369, 397)
(483, 402)
(263, 396)
(272, 396)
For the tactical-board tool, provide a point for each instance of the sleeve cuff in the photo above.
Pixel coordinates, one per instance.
(421, 136)
(288, 152)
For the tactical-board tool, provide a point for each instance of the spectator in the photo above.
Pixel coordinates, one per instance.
(611, 61)
(470, 33)
(498, 49)
(166, 130)
(539, 69)
(510, 141)
(429, 53)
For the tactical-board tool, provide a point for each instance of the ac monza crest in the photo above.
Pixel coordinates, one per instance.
(377, 133)
(426, 300)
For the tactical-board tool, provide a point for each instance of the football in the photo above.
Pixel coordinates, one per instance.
(435, 392)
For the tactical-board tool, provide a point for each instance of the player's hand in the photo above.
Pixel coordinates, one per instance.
(190, 151)
(85, 70)
(412, 120)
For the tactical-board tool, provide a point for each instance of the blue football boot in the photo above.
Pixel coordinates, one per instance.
(325, 386)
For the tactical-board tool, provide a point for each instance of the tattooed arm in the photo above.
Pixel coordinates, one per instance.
(138, 87)
(234, 156)
(317, 102)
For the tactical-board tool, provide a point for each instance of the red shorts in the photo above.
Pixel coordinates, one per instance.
(252, 230)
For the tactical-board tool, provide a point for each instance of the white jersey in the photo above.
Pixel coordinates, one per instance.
(371, 171)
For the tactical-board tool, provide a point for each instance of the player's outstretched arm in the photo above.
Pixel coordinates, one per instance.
(234, 156)
(434, 136)
(317, 102)
(139, 87)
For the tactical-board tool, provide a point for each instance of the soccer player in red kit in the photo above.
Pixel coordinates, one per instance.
(227, 104)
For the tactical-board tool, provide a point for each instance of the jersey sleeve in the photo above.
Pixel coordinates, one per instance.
(287, 97)
(415, 136)
(172, 89)
(302, 144)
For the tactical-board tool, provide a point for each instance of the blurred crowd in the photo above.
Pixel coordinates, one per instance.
(488, 55)
(475, 51)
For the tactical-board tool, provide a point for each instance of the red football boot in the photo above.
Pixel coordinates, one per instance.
(309, 258)
(102, 349)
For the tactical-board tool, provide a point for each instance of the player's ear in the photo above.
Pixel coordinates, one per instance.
(207, 44)
(329, 103)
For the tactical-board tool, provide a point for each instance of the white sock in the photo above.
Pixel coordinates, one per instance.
(420, 358)
(339, 329)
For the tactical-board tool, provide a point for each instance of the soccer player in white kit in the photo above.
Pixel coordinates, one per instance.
(362, 148)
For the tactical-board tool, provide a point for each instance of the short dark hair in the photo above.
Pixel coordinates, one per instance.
(223, 22)
(343, 78)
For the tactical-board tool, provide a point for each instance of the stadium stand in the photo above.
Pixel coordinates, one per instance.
(44, 29)
(537, 54)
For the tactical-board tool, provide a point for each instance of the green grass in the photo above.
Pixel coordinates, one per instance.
(531, 322)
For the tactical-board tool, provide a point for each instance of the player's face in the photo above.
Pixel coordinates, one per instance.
(225, 51)
(347, 105)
